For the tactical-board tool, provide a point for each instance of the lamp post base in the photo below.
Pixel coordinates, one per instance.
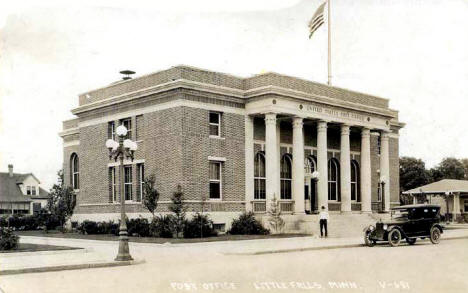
(124, 251)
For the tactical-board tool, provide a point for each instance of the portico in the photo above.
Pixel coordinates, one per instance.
(318, 174)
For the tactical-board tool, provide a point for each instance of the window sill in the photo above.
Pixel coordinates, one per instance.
(217, 137)
(214, 199)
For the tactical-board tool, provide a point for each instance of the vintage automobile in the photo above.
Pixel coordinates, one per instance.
(407, 222)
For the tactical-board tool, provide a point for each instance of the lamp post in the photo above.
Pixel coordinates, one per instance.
(119, 150)
(315, 176)
(382, 182)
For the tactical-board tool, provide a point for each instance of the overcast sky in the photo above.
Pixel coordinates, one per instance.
(412, 52)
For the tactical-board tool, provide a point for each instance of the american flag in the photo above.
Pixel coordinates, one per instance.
(317, 20)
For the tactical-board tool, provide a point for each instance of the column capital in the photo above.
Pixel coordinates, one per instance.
(345, 129)
(322, 125)
(298, 122)
(384, 135)
(365, 132)
(270, 118)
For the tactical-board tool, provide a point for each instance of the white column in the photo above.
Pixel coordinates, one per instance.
(298, 166)
(278, 160)
(271, 158)
(345, 170)
(322, 165)
(365, 168)
(456, 206)
(249, 162)
(385, 168)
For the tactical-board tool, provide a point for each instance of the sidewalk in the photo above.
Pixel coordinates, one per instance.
(46, 261)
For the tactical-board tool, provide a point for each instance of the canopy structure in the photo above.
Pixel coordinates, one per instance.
(441, 187)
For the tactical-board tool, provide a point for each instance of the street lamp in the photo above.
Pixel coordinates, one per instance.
(382, 181)
(119, 150)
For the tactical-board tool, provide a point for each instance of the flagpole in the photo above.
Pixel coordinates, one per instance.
(329, 44)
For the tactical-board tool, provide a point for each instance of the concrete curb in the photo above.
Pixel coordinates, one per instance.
(47, 252)
(71, 267)
(317, 248)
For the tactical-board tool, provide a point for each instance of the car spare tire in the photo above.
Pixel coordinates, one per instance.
(394, 237)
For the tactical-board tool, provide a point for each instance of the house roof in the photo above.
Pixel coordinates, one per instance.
(43, 194)
(9, 189)
(442, 186)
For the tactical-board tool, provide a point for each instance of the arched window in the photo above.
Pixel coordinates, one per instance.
(75, 171)
(355, 192)
(259, 177)
(333, 177)
(310, 165)
(286, 176)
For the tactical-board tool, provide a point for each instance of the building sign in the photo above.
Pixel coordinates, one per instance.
(335, 113)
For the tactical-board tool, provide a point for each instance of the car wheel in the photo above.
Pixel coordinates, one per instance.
(367, 239)
(435, 235)
(394, 237)
(411, 241)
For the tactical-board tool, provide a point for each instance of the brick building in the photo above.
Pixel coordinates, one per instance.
(233, 144)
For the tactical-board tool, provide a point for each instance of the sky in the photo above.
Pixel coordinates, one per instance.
(412, 52)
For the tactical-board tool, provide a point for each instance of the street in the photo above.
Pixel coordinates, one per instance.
(202, 268)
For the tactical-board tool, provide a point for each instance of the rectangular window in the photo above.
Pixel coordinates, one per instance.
(33, 190)
(139, 127)
(215, 124)
(141, 181)
(465, 206)
(215, 180)
(28, 190)
(127, 122)
(128, 182)
(379, 193)
(379, 144)
(111, 130)
(113, 184)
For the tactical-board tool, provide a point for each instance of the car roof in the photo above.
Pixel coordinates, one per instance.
(410, 206)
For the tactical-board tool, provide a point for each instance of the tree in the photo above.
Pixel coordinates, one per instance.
(465, 165)
(150, 194)
(62, 200)
(179, 208)
(413, 173)
(275, 220)
(451, 168)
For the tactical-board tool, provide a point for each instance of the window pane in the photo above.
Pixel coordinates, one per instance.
(215, 190)
(214, 118)
(214, 171)
(214, 130)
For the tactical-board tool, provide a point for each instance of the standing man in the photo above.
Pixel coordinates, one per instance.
(323, 221)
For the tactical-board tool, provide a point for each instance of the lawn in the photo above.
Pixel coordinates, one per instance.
(109, 237)
(27, 247)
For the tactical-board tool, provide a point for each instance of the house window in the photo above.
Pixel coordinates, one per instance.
(215, 124)
(141, 180)
(355, 192)
(113, 184)
(127, 122)
(215, 180)
(28, 190)
(33, 190)
(259, 177)
(75, 171)
(128, 182)
(333, 175)
(111, 130)
(286, 177)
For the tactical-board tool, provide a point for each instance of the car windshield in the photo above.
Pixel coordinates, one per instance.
(400, 214)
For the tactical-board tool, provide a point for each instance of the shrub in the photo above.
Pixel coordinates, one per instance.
(88, 227)
(8, 240)
(138, 227)
(199, 226)
(246, 224)
(108, 228)
(3, 221)
(162, 226)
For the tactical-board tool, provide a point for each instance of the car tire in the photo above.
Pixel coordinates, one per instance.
(394, 237)
(411, 241)
(367, 239)
(435, 235)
